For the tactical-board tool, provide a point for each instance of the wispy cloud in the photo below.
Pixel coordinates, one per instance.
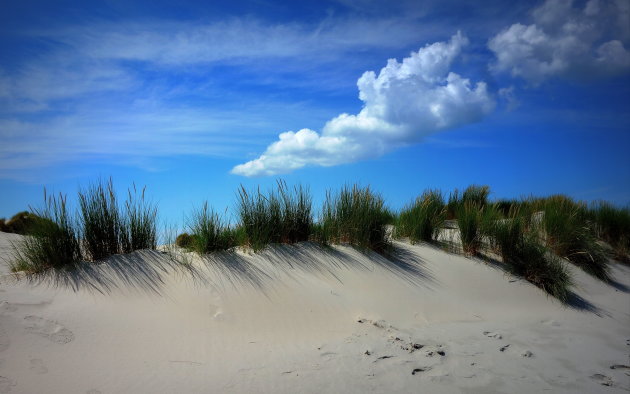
(404, 103)
(156, 88)
(170, 43)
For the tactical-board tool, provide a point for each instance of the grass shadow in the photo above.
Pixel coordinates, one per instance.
(141, 271)
(235, 269)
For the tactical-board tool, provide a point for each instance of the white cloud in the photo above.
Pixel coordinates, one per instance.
(404, 103)
(567, 41)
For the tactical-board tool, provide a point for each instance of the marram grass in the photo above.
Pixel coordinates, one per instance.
(421, 220)
(53, 241)
(355, 215)
(524, 255)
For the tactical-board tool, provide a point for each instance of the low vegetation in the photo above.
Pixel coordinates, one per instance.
(533, 236)
(524, 255)
(570, 234)
(421, 220)
(612, 224)
(282, 215)
(53, 242)
(100, 228)
(356, 216)
(210, 232)
(20, 223)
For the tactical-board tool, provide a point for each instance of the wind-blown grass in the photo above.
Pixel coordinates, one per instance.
(209, 232)
(138, 222)
(477, 195)
(570, 235)
(100, 220)
(612, 224)
(356, 216)
(108, 229)
(421, 220)
(53, 241)
(524, 255)
(281, 216)
(469, 216)
(475, 223)
(473, 195)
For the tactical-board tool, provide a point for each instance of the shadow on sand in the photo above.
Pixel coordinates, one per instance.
(141, 271)
(147, 271)
(573, 301)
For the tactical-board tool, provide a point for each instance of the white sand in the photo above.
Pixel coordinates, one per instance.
(302, 319)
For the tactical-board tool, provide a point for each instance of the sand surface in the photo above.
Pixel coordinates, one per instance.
(305, 319)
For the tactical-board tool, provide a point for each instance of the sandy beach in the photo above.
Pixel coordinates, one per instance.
(309, 319)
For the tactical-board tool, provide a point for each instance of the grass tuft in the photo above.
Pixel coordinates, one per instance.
(209, 232)
(476, 195)
(570, 234)
(525, 256)
(53, 241)
(108, 229)
(612, 224)
(469, 216)
(281, 216)
(138, 222)
(356, 216)
(421, 220)
(100, 220)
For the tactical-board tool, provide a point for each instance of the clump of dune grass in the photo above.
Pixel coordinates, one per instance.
(525, 256)
(282, 215)
(421, 220)
(453, 204)
(297, 215)
(52, 241)
(612, 224)
(100, 219)
(356, 216)
(476, 195)
(570, 235)
(469, 216)
(473, 195)
(138, 222)
(108, 229)
(505, 206)
(209, 232)
(475, 223)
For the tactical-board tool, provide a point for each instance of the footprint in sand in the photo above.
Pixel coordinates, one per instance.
(37, 366)
(494, 335)
(602, 379)
(48, 329)
(6, 384)
(418, 370)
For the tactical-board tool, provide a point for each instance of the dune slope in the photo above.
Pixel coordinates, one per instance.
(309, 319)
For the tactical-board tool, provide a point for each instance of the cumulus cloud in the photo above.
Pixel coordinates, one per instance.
(406, 101)
(567, 41)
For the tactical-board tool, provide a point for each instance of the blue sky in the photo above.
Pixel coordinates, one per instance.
(193, 99)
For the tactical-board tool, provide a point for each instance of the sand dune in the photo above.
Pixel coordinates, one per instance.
(309, 319)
